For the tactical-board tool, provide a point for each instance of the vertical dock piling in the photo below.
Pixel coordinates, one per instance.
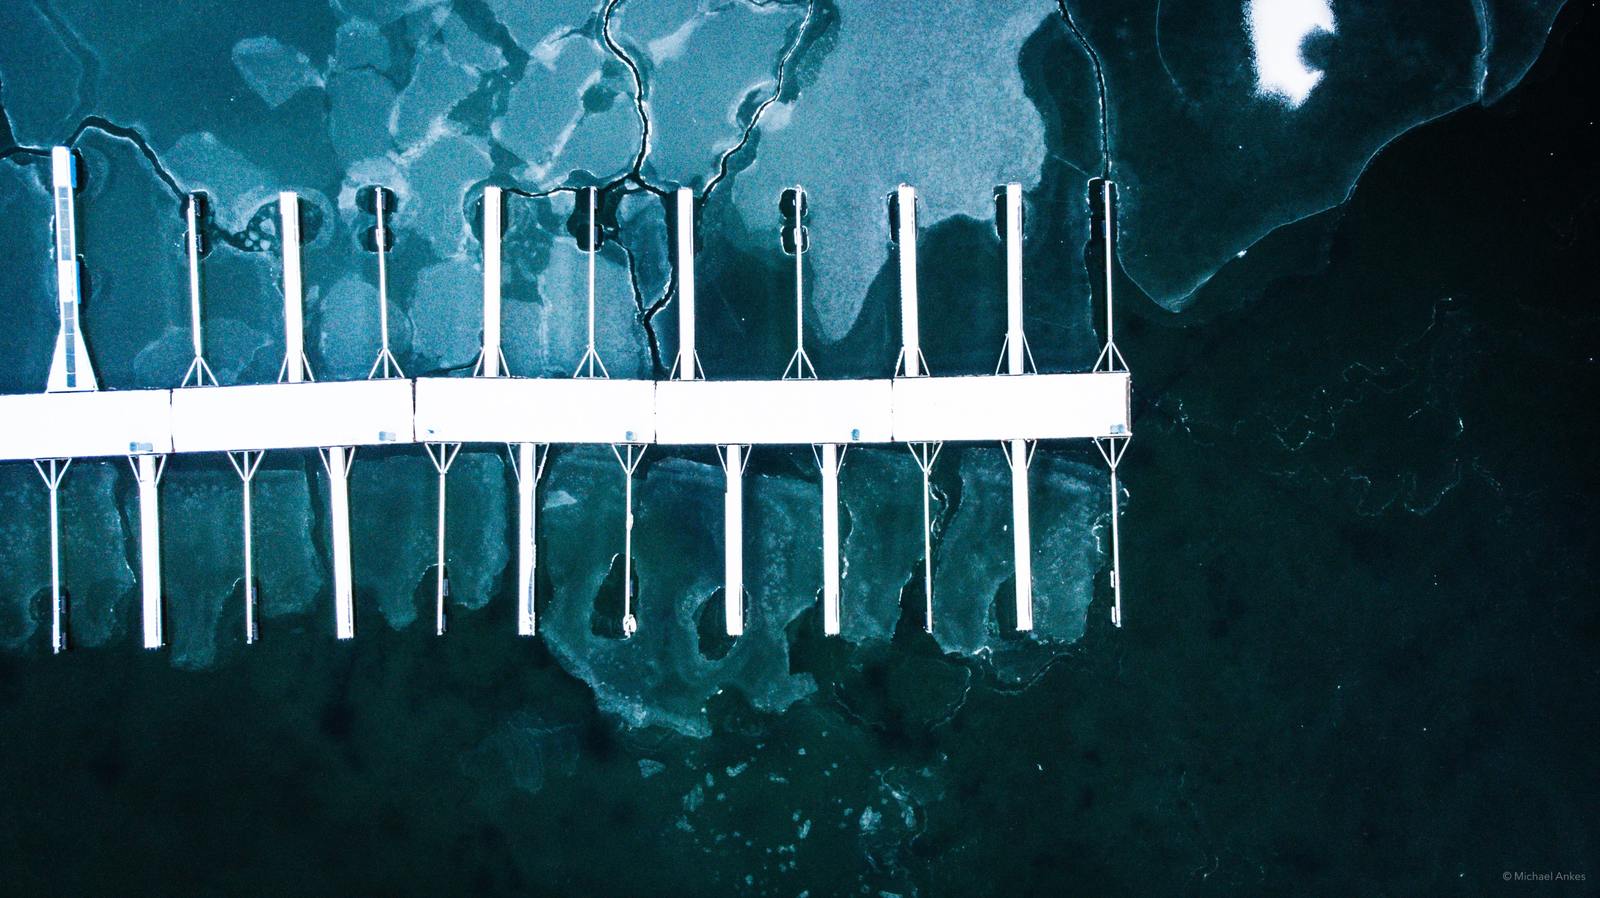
(245, 465)
(734, 458)
(443, 455)
(829, 457)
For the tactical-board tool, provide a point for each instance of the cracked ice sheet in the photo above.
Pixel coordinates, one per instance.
(1250, 161)
(861, 125)
(707, 67)
(573, 108)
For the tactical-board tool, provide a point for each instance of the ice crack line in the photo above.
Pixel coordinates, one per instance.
(1100, 87)
(639, 102)
(755, 119)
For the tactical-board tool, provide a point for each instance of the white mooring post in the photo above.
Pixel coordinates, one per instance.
(199, 372)
(53, 470)
(147, 470)
(628, 455)
(491, 359)
(443, 455)
(799, 366)
(911, 363)
(295, 367)
(926, 454)
(733, 458)
(528, 465)
(245, 464)
(829, 456)
(590, 365)
(687, 365)
(337, 460)
(386, 365)
(1017, 359)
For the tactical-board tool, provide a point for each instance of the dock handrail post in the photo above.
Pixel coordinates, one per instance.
(245, 464)
(910, 363)
(53, 470)
(1112, 449)
(1110, 357)
(527, 464)
(628, 456)
(687, 365)
(443, 455)
(336, 460)
(734, 459)
(799, 367)
(296, 368)
(491, 357)
(199, 371)
(926, 454)
(386, 365)
(590, 363)
(147, 470)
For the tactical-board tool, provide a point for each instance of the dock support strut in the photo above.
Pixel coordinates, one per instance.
(386, 365)
(926, 454)
(1111, 449)
(245, 464)
(527, 463)
(590, 365)
(53, 470)
(443, 455)
(628, 455)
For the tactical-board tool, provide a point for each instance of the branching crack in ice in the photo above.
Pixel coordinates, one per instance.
(639, 101)
(1100, 87)
(755, 119)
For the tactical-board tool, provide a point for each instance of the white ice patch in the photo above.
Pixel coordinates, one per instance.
(273, 69)
(1278, 29)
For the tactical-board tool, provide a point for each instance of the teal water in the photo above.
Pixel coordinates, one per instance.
(1358, 544)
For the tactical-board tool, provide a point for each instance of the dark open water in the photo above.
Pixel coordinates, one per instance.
(1362, 652)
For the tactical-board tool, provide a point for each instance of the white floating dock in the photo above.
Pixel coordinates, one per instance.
(911, 362)
(774, 412)
(70, 369)
(1017, 359)
(687, 366)
(290, 416)
(85, 425)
